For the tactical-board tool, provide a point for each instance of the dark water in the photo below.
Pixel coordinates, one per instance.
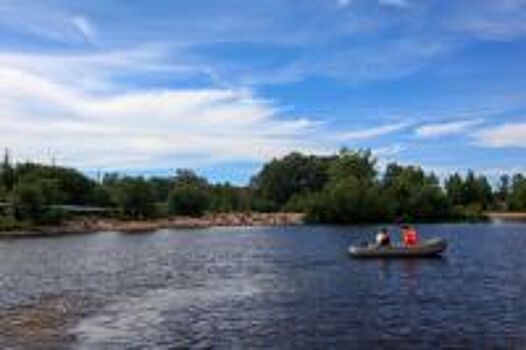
(271, 288)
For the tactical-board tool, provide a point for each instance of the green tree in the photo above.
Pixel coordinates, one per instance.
(415, 194)
(473, 191)
(517, 196)
(428, 203)
(188, 199)
(161, 188)
(352, 194)
(477, 190)
(348, 201)
(503, 192)
(190, 194)
(358, 164)
(133, 197)
(228, 198)
(283, 178)
(27, 201)
(7, 173)
(76, 188)
(455, 189)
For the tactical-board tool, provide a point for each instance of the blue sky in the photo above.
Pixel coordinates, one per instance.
(146, 87)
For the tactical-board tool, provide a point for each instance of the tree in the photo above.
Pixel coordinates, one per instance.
(471, 191)
(76, 188)
(429, 203)
(283, 178)
(502, 193)
(358, 164)
(228, 198)
(190, 194)
(477, 190)
(348, 201)
(455, 189)
(188, 199)
(517, 196)
(7, 175)
(415, 194)
(27, 201)
(134, 197)
(160, 188)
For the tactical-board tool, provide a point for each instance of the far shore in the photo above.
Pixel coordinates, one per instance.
(518, 216)
(92, 224)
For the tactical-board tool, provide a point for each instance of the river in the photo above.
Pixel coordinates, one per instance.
(262, 288)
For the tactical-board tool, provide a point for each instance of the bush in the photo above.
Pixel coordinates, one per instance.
(299, 203)
(133, 197)
(349, 201)
(28, 201)
(8, 223)
(51, 217)
(188, 199)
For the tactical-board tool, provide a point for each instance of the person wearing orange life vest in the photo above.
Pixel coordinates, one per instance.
(410, 236)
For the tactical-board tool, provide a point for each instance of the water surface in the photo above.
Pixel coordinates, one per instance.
(275, 287)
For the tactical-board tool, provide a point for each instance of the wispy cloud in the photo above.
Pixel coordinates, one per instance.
(445, 129)
(144, 128)
(270, 24)
(47, 21)
(506, 135)
(371, 133)
(396, 3)
(389, 151)
(85, 27)
(101, 71)
(163, 82)
(344, 3)
(496, 20)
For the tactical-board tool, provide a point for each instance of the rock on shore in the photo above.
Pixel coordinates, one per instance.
(84, 225)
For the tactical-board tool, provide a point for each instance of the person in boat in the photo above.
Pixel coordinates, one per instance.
(382, 238)
(409, 236)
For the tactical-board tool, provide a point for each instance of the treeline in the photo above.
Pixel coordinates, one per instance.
(40, 194)
(348, 188)
(343, 188)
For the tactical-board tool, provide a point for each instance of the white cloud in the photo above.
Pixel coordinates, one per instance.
(42, 113)
(373, 55)
(344, 3)
(44, 20)
(506, 135)
(388, 152)
(396, 3)
(496, 20)
(444, 129)
(85, 28)
(372, 133)
(98, 70)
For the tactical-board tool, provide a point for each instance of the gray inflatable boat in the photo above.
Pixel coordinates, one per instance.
(428, 248)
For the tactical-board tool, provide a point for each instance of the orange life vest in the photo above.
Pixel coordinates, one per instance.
(410, 237)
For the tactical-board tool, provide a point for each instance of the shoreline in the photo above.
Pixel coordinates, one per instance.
(85, 225)
(92, 224)
(506, 215)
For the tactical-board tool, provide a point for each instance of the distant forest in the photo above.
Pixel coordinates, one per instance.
(343, 188)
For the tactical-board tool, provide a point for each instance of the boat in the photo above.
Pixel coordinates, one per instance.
(429, 248)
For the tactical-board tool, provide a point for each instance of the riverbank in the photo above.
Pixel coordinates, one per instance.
(507, 216)
(87, 225)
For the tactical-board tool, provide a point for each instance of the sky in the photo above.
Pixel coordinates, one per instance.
(222, 86)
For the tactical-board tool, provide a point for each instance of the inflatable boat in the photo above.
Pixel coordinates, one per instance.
(427, 248)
